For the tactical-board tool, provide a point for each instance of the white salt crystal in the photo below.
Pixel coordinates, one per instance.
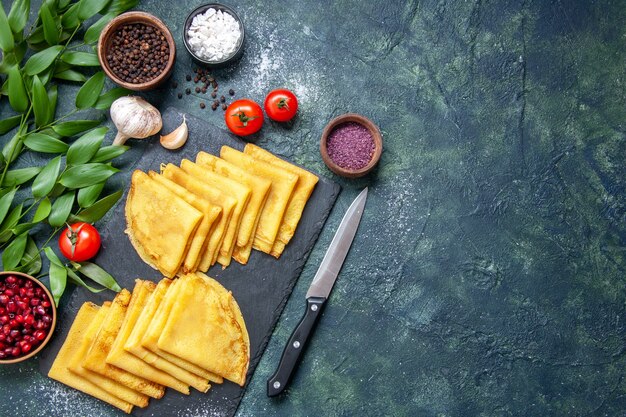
(213, 35)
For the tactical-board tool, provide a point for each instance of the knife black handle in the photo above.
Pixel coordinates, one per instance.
(293, 350)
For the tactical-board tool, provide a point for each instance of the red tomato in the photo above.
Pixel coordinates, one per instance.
(79, 242)
(281, 105)
(244, 117)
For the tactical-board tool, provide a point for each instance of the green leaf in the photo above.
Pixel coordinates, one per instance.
(36, 36)
(88, 8)
(22, 228)
(80, 59)
(63, 4)
(43, 210)
(119, 6)
(96, 211)
(42, 60)
(12, 149)
(74, 127)
(6, 36)
(19, 176)
(89, 92)
(17, 92)
(53, 94)
(73, 276)
(97, 274)
(80, 176)
(70, 17)
(107, 153)
(5, 203)
(50, 31)
(13, 253)
(93, 33)
(87, 196)
(57, 274)
(106, 99)
(61, 209)
(10, 222)
(70, 75)
(41, 104)
(85, 147)
(9, 123)
(18, 16)
(44, 183)
(31, 261)
(43, 143)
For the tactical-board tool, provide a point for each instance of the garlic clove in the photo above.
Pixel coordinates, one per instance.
(177, 137)
(135, 118)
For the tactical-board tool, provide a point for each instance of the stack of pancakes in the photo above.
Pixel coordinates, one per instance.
(184, 333)
(215, 209)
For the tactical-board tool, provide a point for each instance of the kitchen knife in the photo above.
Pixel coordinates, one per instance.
(317, 294)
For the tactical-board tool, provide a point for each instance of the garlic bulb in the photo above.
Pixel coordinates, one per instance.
(135, 118)
(177, 137)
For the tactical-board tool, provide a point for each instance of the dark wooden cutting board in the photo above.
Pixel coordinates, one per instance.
(261, 287)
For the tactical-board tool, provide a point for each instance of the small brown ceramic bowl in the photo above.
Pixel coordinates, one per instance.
(13, 321)
(104, 43)
(378, 145)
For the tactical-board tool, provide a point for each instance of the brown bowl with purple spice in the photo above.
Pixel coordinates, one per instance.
(351, 145)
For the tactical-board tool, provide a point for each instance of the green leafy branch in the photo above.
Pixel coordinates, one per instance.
(69, 186)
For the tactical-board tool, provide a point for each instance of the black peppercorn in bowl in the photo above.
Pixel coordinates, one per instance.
(27, 317)
(225, 60)
(137, 51)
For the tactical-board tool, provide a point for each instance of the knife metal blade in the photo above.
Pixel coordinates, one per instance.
(318, 293)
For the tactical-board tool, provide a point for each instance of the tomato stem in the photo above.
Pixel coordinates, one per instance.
(282, 104)
(243, 118)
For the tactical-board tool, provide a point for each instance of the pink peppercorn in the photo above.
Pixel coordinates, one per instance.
(350, 145)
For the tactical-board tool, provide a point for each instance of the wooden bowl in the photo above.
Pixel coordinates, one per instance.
(35, 351)
(104, 42)
(374, 131)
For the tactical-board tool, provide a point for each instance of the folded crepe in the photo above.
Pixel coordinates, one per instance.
(238, 191)
(107, 384)
(134, 344)
(116, 322)
(201, 238)
(283, 184)
(203, 329)
(96, 361)
(160, 224)
(60, 370)
(304, 187)
(141, 294)
(214, 196)
(260, 190)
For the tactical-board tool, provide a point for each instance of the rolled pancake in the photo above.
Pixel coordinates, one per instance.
(283, 184)
(134, 342)
(109, 385)
(60, 370)
(141, 294)
(160, 224)
(214, 196)
(207, 226)
(301, 193)
(238, 191)
(204, 330)
(260, 190)
(117, 356)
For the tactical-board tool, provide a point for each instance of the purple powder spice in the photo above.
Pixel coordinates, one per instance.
(350, 145)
